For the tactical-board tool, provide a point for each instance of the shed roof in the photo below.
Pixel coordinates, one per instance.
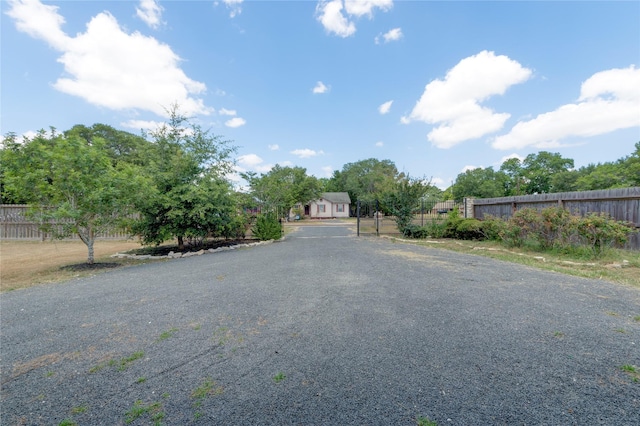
(337, 197)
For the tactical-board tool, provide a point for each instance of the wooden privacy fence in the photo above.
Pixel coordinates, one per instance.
(14, 225)
(621, 204)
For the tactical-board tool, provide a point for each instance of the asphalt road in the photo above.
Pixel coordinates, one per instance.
(323, 328)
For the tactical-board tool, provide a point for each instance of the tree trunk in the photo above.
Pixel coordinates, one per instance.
(180, 243)
(88, 238)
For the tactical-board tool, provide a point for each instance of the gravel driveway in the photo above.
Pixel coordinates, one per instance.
(322, 328)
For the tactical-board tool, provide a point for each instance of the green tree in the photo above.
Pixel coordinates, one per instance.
(540, 167)
(71, 184)
(479, 183)
(189, 196)
(282, 187)
(515, 182)
(365, 180)
(404, 199)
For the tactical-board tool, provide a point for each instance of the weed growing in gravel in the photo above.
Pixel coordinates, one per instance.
(122, 363)
(279, 377)
(632, 370)
(621, 330)
(166, 334)
(424, 421)
(139, 409)
(636, 318)
(141, 380)
(49, 373)
(207, 388)
(67, 422)
(558, 334)
(80, 409)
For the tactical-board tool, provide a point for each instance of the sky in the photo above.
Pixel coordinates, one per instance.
(437, 87)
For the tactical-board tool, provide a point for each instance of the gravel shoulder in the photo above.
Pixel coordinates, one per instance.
(322, 328)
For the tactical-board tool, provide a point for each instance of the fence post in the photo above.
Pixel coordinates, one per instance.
(358, 216)
(377, 218)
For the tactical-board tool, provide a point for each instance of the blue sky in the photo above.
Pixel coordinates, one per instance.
(435, 86)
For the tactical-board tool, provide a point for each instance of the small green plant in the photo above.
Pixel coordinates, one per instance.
(636, 318)
(122, 363)
(166, 334)
(631, 370)
(558, 334)
(267, 227)
(50, 373)
(141, 380)
(425, 421)
(621, 330)
(139, 409)
(279, 377)
(80, 409)
(207, 388)
(165, 395)
(67, 422)
(197, 327)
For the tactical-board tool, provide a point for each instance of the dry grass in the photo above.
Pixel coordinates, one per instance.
(618, 266)
(26, 263)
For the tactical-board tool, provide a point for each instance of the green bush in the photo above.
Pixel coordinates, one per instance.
(469, 229)
(492, 228)
(556, 228)
(600, 231)
(267, 227)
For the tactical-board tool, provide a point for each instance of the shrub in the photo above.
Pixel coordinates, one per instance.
(267, 227)
(556, 227)
(599, 231)
(469, 229)
(492, 227)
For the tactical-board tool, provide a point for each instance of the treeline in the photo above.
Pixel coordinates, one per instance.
(545, 172)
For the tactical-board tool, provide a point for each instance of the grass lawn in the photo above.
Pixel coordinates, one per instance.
(25, 263)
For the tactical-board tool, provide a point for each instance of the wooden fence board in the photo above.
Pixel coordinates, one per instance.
(14, 225)
(620, 203)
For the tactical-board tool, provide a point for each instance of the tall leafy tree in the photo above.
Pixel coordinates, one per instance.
(189, 196)
(515, 184)
(71, 184)
(540, 167)
(282, 187)
(403, 200)
(365, 180)
(479, 183)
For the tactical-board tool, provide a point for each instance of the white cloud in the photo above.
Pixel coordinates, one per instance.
(329, 13)
(609, 100)
(320, 87)
(143, 124)
(274, 147)
(306, 153)
(439, 182)
(224, 111)
(235, 122)
(234, 6)
(150, 12)
(391, 35)
(508, 157)
(379, 144)
(252, 162)
(328, 171)
(110, 68)
(468, 167)
(365, 7)
(385, 107)
(454, 103)
(335, 15)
